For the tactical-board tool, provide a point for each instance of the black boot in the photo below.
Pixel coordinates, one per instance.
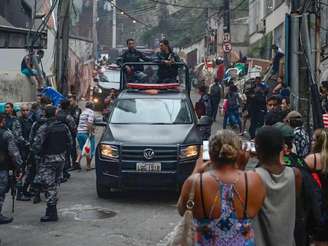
(76, 166)
(37, 197)
(26, 193)
(21, 196)
(5, 220)
(51, 214)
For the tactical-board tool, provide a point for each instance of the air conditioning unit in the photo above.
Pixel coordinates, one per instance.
(260, 27)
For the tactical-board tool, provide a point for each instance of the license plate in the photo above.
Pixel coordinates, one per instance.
(148, 167)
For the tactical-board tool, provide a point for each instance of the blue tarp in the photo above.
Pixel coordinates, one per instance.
(50, 92)
(54, 95)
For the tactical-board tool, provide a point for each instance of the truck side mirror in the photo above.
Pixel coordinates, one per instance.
(99, 121)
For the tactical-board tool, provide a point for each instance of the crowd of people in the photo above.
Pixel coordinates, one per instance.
(38, 149)
(283, 201)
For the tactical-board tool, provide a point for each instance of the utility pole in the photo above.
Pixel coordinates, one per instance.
(62, 49)
(226, 28)
(94, 28)
(318, 40)
(114, 25)
(309, 97)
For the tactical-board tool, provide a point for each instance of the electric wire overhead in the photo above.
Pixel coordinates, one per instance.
(43, 24)
(134, 20)
(186, 6)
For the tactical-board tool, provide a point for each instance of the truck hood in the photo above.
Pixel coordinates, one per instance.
(152, 134)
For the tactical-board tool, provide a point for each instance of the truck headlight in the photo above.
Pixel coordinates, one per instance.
(190, 151)
(96, 100)
(109, 151)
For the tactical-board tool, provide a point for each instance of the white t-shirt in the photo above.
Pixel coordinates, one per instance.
(87, 116)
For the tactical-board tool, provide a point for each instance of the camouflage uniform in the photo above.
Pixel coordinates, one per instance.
(51, 165)
(13, 124)
(65, 117)
(12, 152)
(33, 170)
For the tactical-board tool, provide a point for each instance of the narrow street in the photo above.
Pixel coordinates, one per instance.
(131, 218)
(135, 218)
(134, 85)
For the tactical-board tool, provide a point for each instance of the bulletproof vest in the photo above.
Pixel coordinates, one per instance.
(4, 155)
(56, 139)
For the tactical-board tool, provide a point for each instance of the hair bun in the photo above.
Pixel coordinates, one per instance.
(228, 152)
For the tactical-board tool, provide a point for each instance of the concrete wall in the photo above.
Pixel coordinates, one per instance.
(80, 66)
(276, 18)
(13, 85)
(273, 19)
(16, 88)
(200, 46)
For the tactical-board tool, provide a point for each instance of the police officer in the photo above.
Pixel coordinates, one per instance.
(53, 140)
(33, 176)
(64, 116)
(26, 126)
(75, 111)
(134, 72)
(168, 70)
(133, 55)
(9, 153)
(37, 109)
(13, 124)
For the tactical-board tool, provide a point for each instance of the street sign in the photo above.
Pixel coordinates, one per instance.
(227, 47)
(226, 37)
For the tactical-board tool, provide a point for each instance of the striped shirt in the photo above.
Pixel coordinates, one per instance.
(87, 116)
(325, 120)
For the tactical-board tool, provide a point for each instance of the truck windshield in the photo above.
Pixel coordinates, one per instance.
(151, 111)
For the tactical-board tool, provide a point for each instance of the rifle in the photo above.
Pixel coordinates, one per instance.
(12, 183)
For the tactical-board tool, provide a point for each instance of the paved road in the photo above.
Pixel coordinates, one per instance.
(131, 218)
(134, 218)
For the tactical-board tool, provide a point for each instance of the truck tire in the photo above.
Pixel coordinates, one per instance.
(103, 191)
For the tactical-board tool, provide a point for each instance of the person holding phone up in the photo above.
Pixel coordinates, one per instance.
(224, 192)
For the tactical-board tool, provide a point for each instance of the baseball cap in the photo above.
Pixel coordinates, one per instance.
(285, 130)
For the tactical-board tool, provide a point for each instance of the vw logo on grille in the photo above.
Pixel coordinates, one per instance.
(149, 154)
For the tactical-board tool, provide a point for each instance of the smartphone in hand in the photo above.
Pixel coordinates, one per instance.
(249, 146)
(206, 154)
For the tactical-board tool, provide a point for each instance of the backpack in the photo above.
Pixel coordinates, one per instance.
(312, 195)
(322, 184)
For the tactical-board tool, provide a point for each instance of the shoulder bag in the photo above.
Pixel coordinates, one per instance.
(184, 232)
